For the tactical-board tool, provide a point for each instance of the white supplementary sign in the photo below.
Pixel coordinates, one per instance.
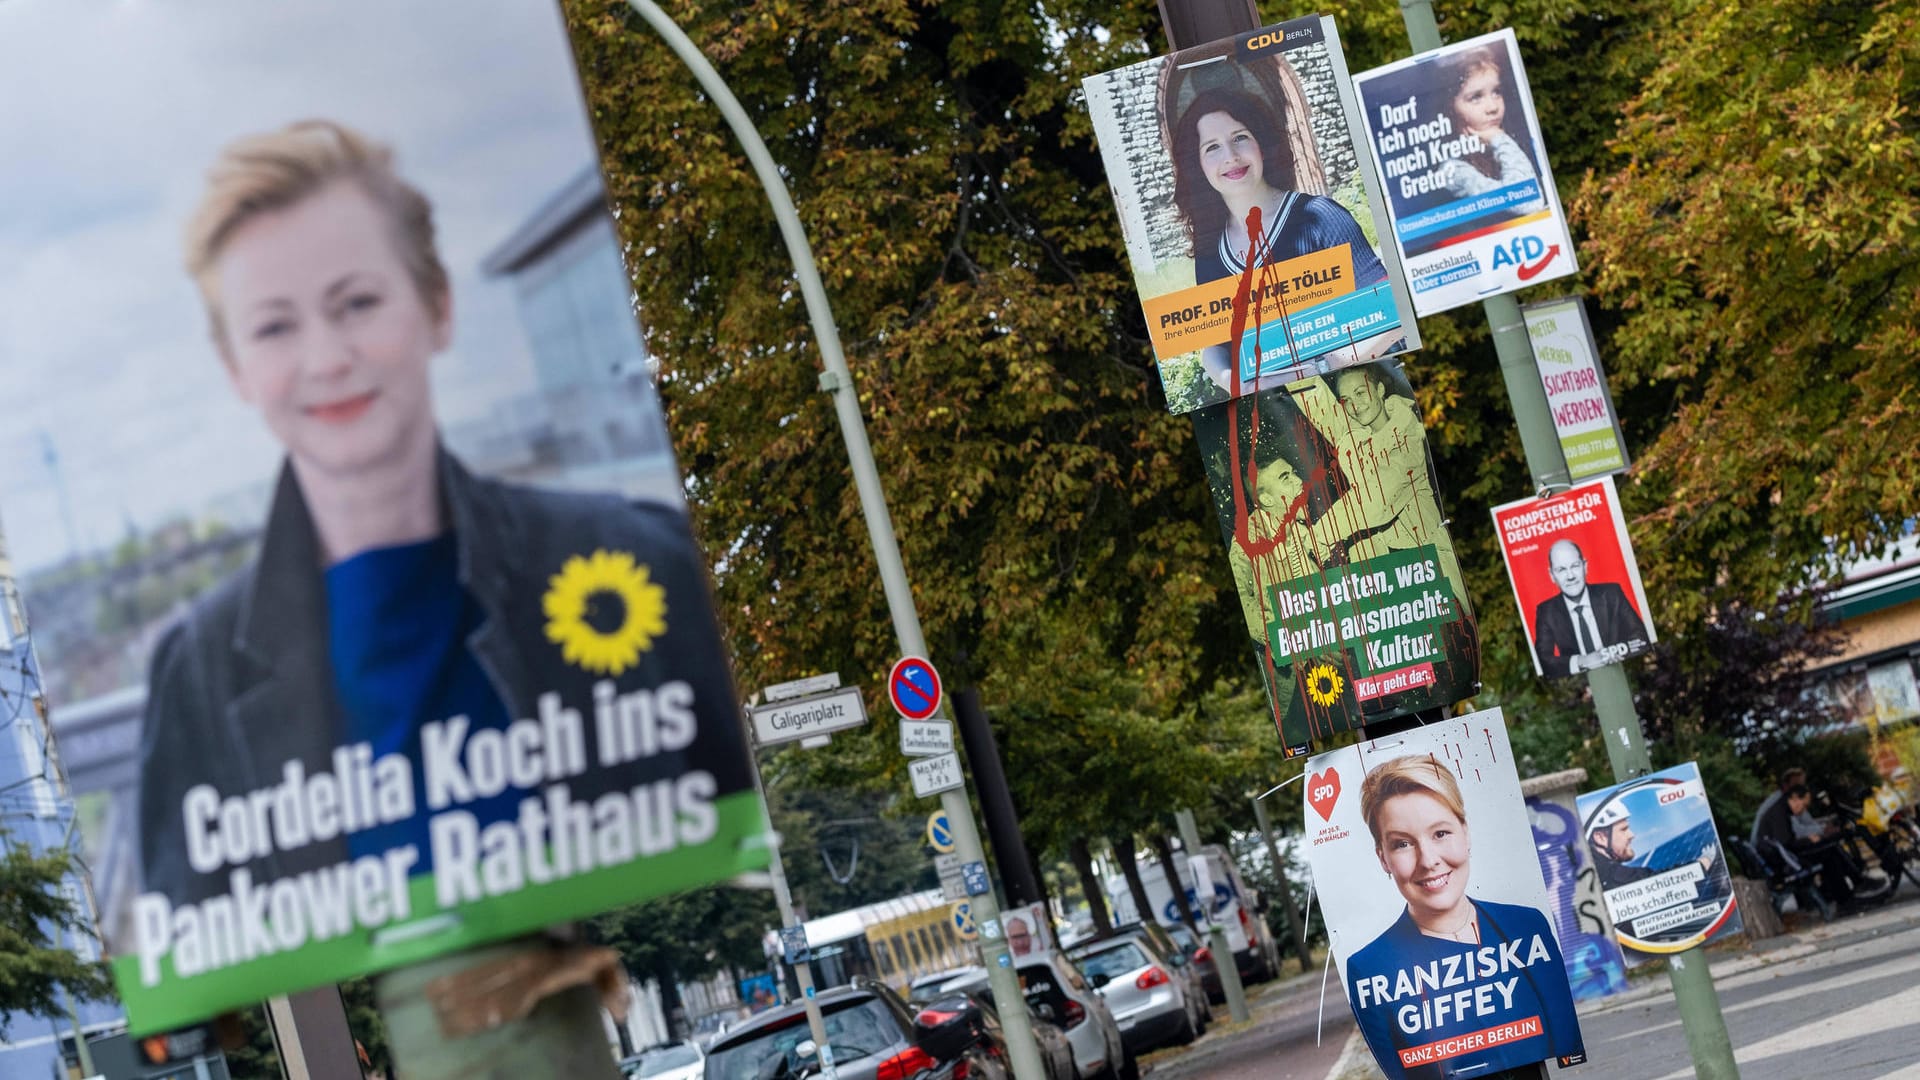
(803, 717)
(933, 775)
(948, 864)
(812, 684)
(923, 738)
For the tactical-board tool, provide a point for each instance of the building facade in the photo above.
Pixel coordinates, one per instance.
(37, 811)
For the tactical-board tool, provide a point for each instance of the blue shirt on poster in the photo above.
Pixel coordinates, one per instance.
(397, 626)
(1432, 1009)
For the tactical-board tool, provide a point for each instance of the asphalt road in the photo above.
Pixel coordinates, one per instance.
(1838, 1002)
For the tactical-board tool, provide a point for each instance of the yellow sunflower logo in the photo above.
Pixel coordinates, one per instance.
(1324, 685)
(604, 610)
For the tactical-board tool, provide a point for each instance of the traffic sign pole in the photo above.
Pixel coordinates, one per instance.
(1223, 958)
(1693, 992)
(837, 381)
(783, 899)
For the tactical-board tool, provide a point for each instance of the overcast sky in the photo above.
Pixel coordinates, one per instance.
(110, 112)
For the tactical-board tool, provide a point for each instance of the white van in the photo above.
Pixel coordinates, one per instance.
(1232, 908)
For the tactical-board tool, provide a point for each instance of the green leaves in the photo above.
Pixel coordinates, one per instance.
(33, 910)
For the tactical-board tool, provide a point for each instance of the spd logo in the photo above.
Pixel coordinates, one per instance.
(1528, 254)
(1323, 790)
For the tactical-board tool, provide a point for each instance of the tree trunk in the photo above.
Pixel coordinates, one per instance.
(1125, 853)
(671, 1007)
(1175, 884)
(1090, 884)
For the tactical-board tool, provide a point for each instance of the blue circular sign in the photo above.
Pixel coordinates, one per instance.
(914, 688)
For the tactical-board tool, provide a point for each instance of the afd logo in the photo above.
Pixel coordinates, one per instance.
(1528, 254)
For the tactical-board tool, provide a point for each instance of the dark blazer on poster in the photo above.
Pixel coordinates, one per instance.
(1554, 639)
(242, 685)
(1540, 990)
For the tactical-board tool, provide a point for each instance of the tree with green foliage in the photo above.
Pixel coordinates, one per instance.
(1054, 518)
(39, 922)
(1753, 225)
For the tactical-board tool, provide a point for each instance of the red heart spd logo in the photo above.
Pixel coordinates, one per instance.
(1323, 791)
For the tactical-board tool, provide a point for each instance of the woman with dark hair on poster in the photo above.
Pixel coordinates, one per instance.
(393, 588)
(1477, 105)
(1418, 819)
(1230, 159)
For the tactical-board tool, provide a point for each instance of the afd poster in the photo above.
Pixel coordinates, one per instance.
(1350, 591)
(1457, 145)
(1583, 415)
(1658, 857)
(352, 478)
(1256, 235)
(1575, 578)
(1423, 860)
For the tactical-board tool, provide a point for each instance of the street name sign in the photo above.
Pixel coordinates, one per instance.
(922, 738)
(801, 718)
(933, 775)
(812, 684)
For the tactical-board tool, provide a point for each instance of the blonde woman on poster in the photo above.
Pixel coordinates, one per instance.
(1452, 968)
(396, 594)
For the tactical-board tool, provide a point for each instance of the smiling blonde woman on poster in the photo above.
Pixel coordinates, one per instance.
(1451, 967)
(393, 589)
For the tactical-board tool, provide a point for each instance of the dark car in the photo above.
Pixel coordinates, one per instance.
(1056, 1053)
(1201, 957)
(873, 1036)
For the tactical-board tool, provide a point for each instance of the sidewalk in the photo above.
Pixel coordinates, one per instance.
(1286, 1037)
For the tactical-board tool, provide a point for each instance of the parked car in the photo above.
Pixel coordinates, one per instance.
(675, 1061)
(873, 1036)
(1200, 958)
(1150, 998)
(1099, 1052)
(1234, 905)
(927, 987)
(1056, 1054)
(1160, 937)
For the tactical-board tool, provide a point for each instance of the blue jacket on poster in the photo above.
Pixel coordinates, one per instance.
(1431, 1008)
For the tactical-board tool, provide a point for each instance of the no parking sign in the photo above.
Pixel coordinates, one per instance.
(914, 687)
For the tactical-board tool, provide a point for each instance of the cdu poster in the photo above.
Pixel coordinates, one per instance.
(1654, 847)
(356, 492)
(1254, 229)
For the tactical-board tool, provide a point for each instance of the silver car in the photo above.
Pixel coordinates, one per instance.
(1149, 995)
(1099, 1052)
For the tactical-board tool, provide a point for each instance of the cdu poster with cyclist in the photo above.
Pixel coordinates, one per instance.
(1658, 857)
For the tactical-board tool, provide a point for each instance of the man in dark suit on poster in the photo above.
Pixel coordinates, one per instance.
(1585, 626)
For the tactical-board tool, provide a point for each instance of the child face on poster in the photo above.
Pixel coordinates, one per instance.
(1479, 105)
(1414, 811)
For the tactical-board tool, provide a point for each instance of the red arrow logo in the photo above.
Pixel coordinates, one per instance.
(1528, 273)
